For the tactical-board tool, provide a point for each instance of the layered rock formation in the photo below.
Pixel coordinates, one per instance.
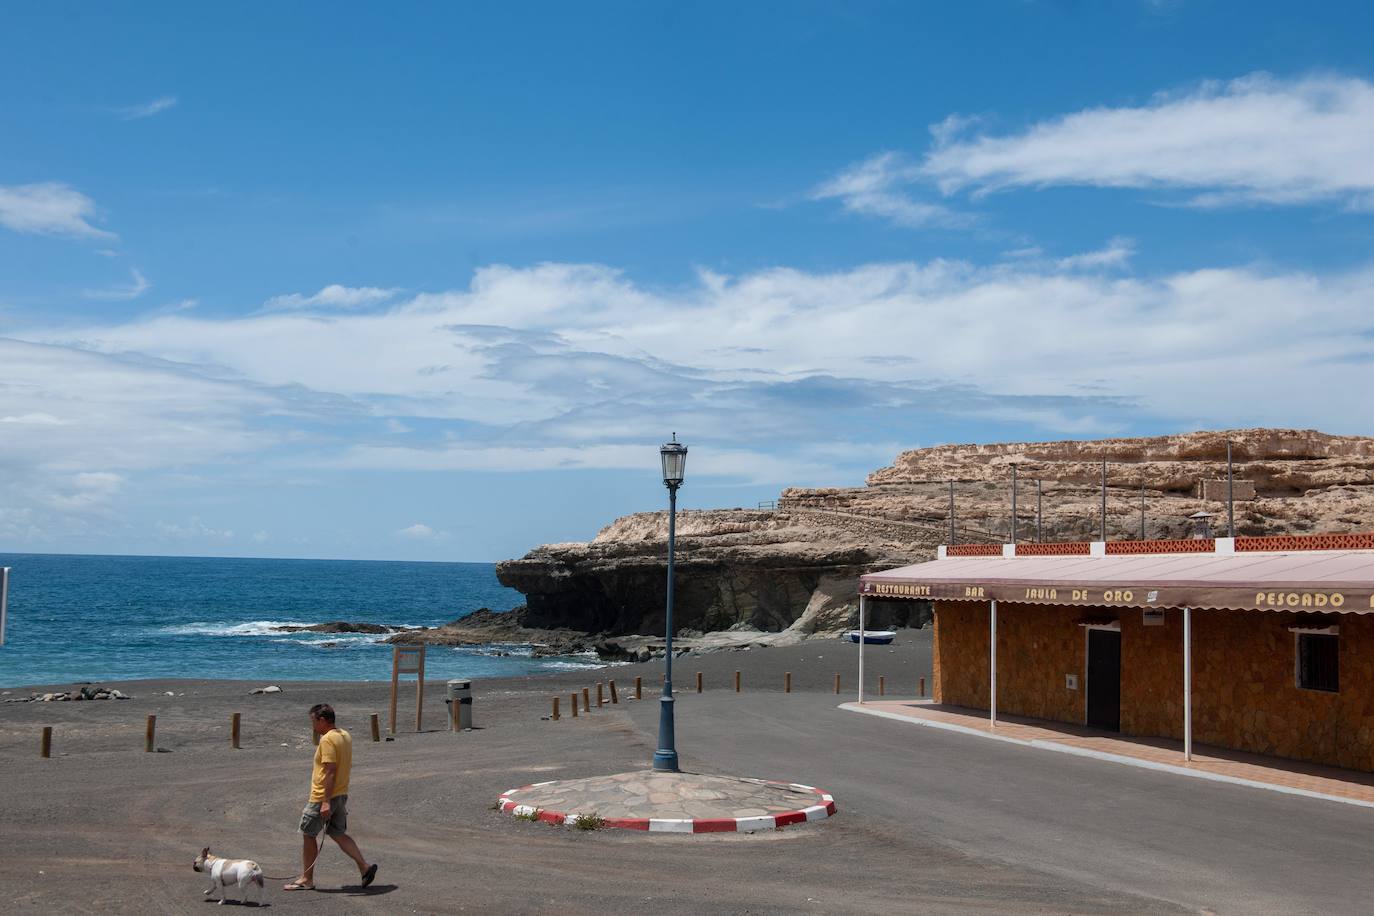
(736, 569)
(792, 570)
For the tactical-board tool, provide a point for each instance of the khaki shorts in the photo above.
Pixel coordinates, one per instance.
(312, 823)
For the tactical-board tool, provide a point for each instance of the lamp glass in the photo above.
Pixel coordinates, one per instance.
(674, 455)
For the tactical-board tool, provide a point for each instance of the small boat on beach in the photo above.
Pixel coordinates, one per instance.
(872, 637)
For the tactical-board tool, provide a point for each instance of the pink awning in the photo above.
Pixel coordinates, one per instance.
(1339, 581)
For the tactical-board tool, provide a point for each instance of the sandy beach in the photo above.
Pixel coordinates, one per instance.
(103, 826)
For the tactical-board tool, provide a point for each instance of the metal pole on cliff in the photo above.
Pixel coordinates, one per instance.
(951, 512)
(674, 457)
(1230, 496)
(1142, 510)
(1104, 499)
(1013, 502)
(1038, 494)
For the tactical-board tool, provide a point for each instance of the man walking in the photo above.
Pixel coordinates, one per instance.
(327, 809)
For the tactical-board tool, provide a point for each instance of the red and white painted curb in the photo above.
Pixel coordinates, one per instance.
(825, 807)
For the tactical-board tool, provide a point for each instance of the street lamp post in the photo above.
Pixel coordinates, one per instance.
(674, 456)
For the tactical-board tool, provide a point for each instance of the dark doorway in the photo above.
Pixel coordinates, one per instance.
(1104, 679)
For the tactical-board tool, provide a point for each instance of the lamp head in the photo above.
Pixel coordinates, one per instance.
(674, 456)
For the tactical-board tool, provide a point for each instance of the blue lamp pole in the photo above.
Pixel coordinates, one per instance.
(674, 456)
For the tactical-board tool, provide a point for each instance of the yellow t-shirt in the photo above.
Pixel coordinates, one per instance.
(336, 746)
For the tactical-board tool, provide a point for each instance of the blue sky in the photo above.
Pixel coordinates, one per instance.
(434, 281)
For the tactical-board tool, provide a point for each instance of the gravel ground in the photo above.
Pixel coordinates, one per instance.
(103, 827)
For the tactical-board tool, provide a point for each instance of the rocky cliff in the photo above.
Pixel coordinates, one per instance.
(792, 569)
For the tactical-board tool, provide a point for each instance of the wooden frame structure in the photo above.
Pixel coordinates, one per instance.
(408, 660)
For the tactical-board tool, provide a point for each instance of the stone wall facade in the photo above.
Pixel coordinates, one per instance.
(1245, 693)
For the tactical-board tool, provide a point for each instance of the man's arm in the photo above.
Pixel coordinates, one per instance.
(331, 770)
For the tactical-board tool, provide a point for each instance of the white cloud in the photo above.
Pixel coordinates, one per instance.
(333, 296)
(89, 489)
(193, 530)
(577, 367)
(261, 537)
(137, 286)
(147, 109)
(1117, 254)
(564, 365)
(873, 188)
(1258, 139)
(44, 419)
(49, 208)
(421, 532)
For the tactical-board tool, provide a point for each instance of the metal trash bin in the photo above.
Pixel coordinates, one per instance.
(460, 692)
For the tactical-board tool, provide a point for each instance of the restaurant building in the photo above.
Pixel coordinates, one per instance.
(1261, 644)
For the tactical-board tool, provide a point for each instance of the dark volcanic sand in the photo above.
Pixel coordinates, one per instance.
(104, 827)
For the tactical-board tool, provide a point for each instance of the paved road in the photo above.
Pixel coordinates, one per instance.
(928, 821)
(1129, 832)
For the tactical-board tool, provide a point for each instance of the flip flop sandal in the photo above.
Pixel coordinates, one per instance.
(369, 874)
(298, 886)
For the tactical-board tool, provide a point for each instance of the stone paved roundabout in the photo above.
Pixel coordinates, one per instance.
(672, 802)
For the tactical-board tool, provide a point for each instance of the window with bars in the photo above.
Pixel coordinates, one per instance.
(1318, 656)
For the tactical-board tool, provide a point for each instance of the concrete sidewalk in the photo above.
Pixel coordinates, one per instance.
(1292, 777)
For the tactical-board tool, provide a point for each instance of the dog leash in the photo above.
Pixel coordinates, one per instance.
(318, 852)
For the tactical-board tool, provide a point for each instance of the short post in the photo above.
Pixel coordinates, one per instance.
(376, 727)
(572, 704)
(882, 685)
(234, 731)
(787, 682)
(453, 716)
(395, 683)
(698, 682)
(923, 687)
(586, 699)
(45, 746)
(556, 717)
(420, 692)
(149, 733)
(600, 694)
(639, 687)
(736, 682)
(615, 697)
(837, 682)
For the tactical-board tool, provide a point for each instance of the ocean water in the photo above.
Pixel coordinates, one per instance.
(101, 618)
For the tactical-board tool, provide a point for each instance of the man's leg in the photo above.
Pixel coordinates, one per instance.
(310, 851)
(350, 849)
(310, 826)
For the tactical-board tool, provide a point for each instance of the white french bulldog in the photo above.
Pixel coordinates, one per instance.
(224, 872)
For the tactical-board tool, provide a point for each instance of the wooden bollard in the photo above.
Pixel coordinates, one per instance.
(149, 734)
(45, 746)
(698, 682)
(923, 687)
(573, 697)
(556, 716)
(639, 687)
(600, 695)
(615, 697)
(376, 727)
(787, 682)
(837, 683)
(234, 730)
(453, 717)
(882, 685)
(736, 682)
(586, 699)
